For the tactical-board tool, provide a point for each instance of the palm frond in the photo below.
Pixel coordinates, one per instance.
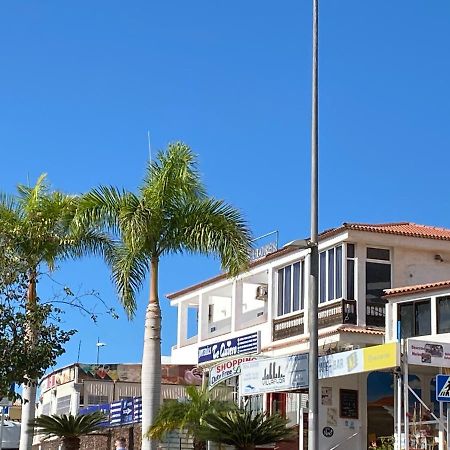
(211, 226)
(171, 176)
(66, 425)
(129, 268)
(102, 207)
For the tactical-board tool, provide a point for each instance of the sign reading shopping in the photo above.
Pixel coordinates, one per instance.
(425, 353)
(274, 374)
(443, 388)
(247, 344)
(227, 369)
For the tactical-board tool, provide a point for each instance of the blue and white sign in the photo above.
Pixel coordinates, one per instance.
(285, 373)
(443, 388)
(122, 412)
(247, 344)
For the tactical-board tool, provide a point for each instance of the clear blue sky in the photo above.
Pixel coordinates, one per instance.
(81, 83)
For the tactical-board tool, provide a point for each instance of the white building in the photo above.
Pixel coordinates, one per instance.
(357, 262)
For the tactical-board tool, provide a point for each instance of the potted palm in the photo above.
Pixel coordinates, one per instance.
(67, 427)
(245, 430)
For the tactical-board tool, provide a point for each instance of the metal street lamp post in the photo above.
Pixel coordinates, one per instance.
(99, 344)
(313, 397)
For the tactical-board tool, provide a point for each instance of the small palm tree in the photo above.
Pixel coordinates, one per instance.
(188, 415)
(245, 430)
(170, 214)
(68, 428)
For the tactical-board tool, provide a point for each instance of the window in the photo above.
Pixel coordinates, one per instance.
(330, 274)
(63, 405)
(415, 318)
(350, 271)
(378, 273)
(443, 315)
(290, 288)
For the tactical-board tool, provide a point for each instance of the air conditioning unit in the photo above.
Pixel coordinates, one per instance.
(262, 292)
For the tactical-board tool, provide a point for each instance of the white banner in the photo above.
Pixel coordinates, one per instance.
(424, 353)
(274, 374)
(227, 369)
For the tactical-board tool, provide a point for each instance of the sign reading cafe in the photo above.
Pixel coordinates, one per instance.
(247, 344)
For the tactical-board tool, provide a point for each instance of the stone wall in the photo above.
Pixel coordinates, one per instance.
(102, 441)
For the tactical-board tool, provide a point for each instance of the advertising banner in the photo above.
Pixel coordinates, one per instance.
(227, 369)
(377, 357)
(425, 353)
(247, 344)
(274, 374)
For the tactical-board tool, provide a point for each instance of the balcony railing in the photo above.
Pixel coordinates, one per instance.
(375, 313)
(289, 326)
(341, 312)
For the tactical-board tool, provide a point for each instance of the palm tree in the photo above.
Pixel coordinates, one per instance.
(37, 224)
(245, 430)
(68, 428)
(170, 214)
(189, 414)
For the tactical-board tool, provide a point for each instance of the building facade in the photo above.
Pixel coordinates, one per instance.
(264, 313)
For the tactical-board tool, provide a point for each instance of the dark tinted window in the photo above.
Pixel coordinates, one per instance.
(338, 272)
(423, 318)
(350, 279)
(350, 250)
(322, 276)
(378, 278)
(406, 320)
(415, 319)
(378, 253)
(296, 287)
(287, 290)
(280, 291)
(443, 315)
(331, 274)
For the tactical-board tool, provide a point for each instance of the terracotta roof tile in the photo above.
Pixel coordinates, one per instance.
(389, 293)
(398, 228)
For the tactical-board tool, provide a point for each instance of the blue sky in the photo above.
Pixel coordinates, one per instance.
(81, 83)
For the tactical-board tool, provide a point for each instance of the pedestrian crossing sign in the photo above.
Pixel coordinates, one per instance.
(443, 388)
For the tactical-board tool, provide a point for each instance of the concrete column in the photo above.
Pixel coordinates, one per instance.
(203, 310)
(182, 324)
(236, 305)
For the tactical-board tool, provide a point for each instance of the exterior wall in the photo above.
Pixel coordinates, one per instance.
(349, 433)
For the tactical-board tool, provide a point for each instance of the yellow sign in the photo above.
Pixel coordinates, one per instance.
(381, 356)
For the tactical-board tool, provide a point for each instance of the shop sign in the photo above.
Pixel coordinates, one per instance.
(425, 353)
(274, 374)
(227, 369)
(360, 360)
(247, 344)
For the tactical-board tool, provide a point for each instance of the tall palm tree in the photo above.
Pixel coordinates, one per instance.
(68, 428)
(189, 414)
(170, 214)
(245, 430)
(37, 224)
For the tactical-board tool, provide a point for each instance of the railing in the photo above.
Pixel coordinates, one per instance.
(342, 312)
(289, 326)
(376, 313)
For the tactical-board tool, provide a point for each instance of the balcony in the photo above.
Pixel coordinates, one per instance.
(337, 313)
(341, 312)
(375, 313)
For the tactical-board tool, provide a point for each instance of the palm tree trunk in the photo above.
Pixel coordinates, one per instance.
(151, 359)
(29, 390)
